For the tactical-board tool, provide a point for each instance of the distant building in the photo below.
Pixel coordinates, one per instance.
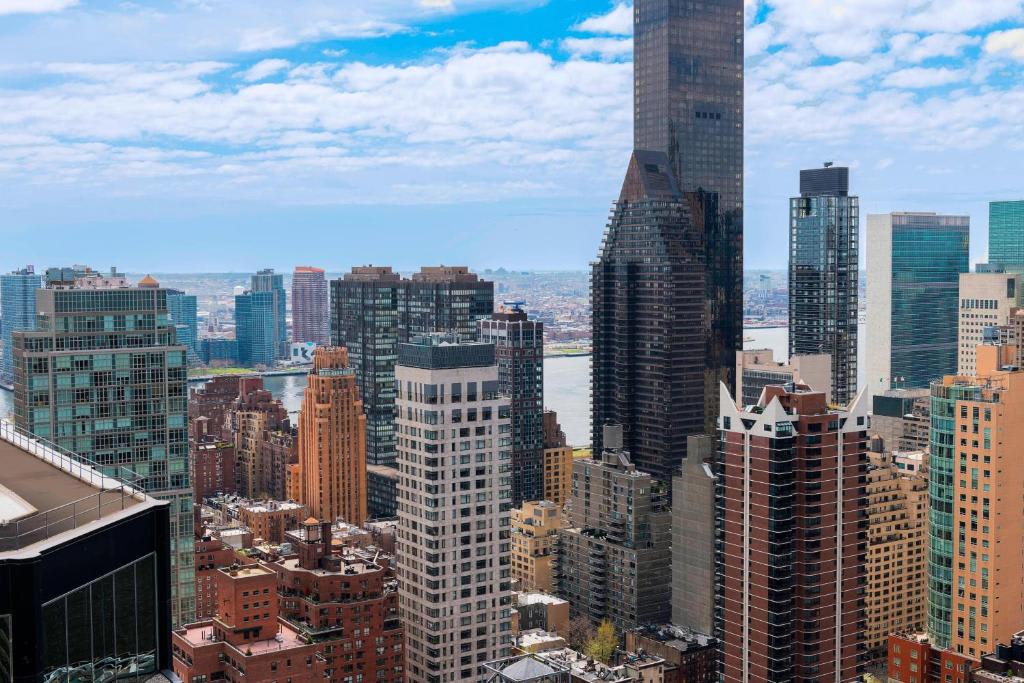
(650, 324)
(791, 473)
(469, 523)
(897, 562)
(381, 491)
(212, 468)
(255, 416)
(986, 299)
(256, 329)
(17, 312)
(213, 400)
(535, 527)
(268, 281)
(118, 398)
(85, 565)
(557, 460)
(615, 553)
(975, 578)
(914, 265)
(182, 310)
(690, 657)
(902, 419)
(311, 313)
(1006, 235)
(331, 467)
(824, 270)
(756, 369)
(519, 345)
(693, 539)
(270, 519)
(219, 351)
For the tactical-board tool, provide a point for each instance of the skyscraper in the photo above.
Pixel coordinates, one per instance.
(986, 299)
(332, 441)
(824, 266)
(373, 309)
(688, 103)
(1006, 235)
(182, 309)
(519, 345)
(104, 377)
(975, 526)
(267, 281)
(454, 539)
(311, 313)
(914, 266)
(256, 329)
(648, 311)
(792, 537)
(17, 312)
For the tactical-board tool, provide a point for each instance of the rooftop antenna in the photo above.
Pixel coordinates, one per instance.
(829, 164)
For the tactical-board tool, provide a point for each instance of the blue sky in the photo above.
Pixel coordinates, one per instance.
(199, 135)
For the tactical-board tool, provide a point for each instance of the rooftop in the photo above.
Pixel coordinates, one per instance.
(202, 634)
(538, 599)
(44, 492)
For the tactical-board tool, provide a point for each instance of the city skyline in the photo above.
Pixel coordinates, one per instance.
(821, 86)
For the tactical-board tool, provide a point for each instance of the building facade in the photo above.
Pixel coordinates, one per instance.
(454, 546)
(535, 527)
(693, 539)
(269, 282)
(17, 312)
(986, 299)
(824, 274)
(757, 368)
(897, 562)
(519, 346)
(557, 460)
(793, 537)
(614, 554)
(975, 576)
(254, 417)
(256, 331)
(103, 376)
(649, 335)
(332, 441)
(901, 418)
(311, 311)
(688, 104)
(914, 266)
(1006, 235)
(182, 309)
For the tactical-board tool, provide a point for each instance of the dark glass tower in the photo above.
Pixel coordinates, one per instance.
(649, 333)
(824, 226)
(519, 348)
(688, 103)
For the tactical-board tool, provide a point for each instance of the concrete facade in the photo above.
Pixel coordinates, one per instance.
(693, 539)
(535, 527)
(986, 300)
(756, 369)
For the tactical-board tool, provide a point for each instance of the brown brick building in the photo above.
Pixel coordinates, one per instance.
(211, 554)
(913, 659)
(270, 519)
(210, 404)
(212, 465)
(792, 476)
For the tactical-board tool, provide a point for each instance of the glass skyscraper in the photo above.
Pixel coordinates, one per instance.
(103, 377)
(256, 328)
(267, 281)
(1006, 235)
(17, 312)
(914, 266)
(688, 103)
(824, 227)
(648, 300)
(182, 309)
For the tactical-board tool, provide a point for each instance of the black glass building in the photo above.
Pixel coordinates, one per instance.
(688, 103)
(649, 332)
(824, 233)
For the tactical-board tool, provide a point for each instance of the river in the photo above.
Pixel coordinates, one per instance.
(566, 383)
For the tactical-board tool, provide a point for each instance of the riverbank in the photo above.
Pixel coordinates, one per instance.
(211, 373)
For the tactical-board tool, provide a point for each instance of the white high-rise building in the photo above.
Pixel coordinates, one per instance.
(454, 444)
(986, 298)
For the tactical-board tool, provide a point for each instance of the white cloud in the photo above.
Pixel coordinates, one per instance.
(1011, 41)
(918, 77)
(909, 47)
(263, 69)
(606, 48)
(438, 4)
(619, 22)
(34, 6)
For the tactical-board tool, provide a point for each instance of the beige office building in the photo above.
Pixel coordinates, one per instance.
(535, 528)
(986, 300)
(757, 368)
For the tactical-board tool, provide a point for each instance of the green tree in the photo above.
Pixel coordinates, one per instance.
(603, 645)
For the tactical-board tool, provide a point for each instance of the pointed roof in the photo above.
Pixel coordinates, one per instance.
(149, 282)
(649, 176)
(526, 669)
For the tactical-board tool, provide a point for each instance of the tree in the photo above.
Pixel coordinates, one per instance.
(578, 633)
(603, 645)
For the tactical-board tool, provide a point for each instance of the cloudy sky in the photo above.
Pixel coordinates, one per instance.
(198, 135)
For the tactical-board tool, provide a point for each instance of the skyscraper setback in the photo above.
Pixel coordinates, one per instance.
(688, 103)
(311, 315)
(824, 238)
(675, 239)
